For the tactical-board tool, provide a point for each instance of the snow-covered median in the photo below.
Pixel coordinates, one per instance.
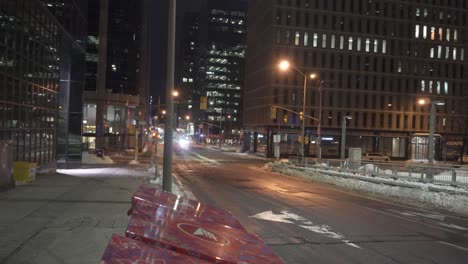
(446, 197)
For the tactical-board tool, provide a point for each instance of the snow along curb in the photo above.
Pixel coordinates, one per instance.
(450, 198)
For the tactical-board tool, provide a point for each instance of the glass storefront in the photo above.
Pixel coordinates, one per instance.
(30, 61)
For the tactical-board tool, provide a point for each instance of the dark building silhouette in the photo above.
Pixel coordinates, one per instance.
(42, 51)
(118, 52)
(374, 61)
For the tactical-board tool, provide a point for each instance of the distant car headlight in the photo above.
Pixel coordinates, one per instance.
(184, 143)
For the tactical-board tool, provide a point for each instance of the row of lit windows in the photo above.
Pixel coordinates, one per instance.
(450, 53)
(226, 20)
(348, 23)
(376, 64)
(336, 42)
(384, 9)
(435, 34)
(228, 86)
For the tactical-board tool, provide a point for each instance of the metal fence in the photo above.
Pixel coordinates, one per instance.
(437, 173)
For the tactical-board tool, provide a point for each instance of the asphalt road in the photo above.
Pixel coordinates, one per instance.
(309, 222)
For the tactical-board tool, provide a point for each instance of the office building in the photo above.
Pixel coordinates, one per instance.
(219, 68)
(374, 61)
(116, 97)
(41, 78)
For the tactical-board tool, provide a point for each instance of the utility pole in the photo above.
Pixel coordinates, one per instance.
(167, 169)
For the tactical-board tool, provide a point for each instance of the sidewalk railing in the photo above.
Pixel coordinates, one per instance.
(442, 174)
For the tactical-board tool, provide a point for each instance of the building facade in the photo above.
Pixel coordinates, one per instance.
(116, 98)
(374, 61)
(214, 55)
(41, 68)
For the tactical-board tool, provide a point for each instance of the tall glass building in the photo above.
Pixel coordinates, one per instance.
(41, 68)
(375, 60)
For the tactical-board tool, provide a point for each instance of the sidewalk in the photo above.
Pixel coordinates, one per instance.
(67, 217)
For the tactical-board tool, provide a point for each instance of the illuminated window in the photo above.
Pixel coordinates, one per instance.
(423, 86)
(454, 53)
(455, 35)
(462, 54)
(446, 87)
(384, 46)
(441, 33)
(367, 45)
(333, 41)
(376, 45)
(425, 12)
(438, 87)
(431, 83)
(439, 52)
(447, 34)
(297, 38)
(358, 44)
(432, 53)
(350, 43)
(432, 33)
(306, 39)
(424, 32)
(341, 42)
(324, 41)
(399, 66)
(416, 31)
(417, 12)
(314, 43)
(447, 52)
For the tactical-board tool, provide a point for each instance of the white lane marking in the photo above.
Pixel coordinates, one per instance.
(452, 245)
(409, 213)
(304, 223)
(454, 226)
(270, 216)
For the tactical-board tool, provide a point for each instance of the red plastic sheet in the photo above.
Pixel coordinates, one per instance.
(149, 199)
(123, 250)
(212, 242)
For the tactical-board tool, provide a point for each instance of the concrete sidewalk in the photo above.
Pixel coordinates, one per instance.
(66, 218)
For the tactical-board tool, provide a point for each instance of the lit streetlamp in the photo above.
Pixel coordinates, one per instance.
(430, 147)
(343, 135)
(284, 66)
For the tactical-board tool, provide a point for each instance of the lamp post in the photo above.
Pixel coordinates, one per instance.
(343, 136)
(284, 66)
(432, 112)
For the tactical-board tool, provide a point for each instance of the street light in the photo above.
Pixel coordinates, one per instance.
(343, 136)
(284, 65)
(431, 126)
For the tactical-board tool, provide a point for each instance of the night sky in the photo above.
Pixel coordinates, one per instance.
(159, 41)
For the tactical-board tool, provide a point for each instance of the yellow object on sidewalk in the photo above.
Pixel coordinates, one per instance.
(24, 172)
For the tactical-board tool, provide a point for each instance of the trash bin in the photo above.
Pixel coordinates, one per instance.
(99, 153)
(6, 165)
(24, 172)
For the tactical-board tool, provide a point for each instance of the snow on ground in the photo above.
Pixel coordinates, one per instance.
(104, 172)
(88, 158)
(443, 196)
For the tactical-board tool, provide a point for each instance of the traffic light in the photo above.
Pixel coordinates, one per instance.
(273, 112)
(301, 115)
(285, 119)
(203, 103)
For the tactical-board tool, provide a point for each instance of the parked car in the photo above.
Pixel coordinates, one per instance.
(375, 157)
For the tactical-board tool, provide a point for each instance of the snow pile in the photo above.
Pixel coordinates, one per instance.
(447, 197)
(88, 158)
